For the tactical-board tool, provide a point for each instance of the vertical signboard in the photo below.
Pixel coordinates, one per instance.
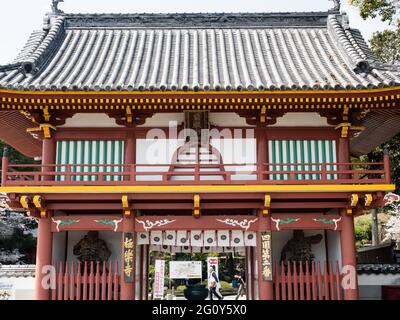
(266, 258)
(213, 262)
(129, 246)
(159, 274)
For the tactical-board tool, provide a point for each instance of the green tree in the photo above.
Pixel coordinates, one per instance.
(387, 10)
(385, 45)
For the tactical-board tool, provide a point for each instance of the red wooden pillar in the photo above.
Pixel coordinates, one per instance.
(343, 156)
(128, 287)
(4, 167)
(48, 156)
(349, 261)
(43, 259)
(44, 236)
(262, 152)
(265, 288)
(130, 153)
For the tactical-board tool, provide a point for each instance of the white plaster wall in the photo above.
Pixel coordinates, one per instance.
(301, 119)
(334, 250)
(90, 120)
(378, 280)
(219, 119)
(24, 287)
(58, 251)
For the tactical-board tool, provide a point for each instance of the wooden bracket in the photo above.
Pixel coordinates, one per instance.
(267, 205)
(196, 206)
(354, 200)
(25, 202)
(129, 115)
(263, 114)
(125, 206)
(45, 127)
(38, 201)
(345, 128)
(46, 115)
(368, 198)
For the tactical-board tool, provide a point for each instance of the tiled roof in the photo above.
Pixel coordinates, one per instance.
(194, 52)
(378, 268)
(17, 271)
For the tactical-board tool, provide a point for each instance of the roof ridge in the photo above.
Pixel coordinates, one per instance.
(55, 29)
(337, 29)
(197, 19)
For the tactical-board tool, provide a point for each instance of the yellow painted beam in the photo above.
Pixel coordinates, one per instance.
(200, 189)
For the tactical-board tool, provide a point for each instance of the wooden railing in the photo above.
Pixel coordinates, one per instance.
(307, 281)
(94, 281)
(264, 173)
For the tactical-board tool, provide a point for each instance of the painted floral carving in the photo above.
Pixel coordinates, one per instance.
(279, 222)
(244, 224)
(148, 225)
(110, 222)
(329, 221)
(64, 223)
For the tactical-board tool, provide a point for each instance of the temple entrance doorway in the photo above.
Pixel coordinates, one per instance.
(183, 273)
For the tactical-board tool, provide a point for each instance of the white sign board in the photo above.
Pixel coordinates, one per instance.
(159, 274)
(185, 270)
(7, 291)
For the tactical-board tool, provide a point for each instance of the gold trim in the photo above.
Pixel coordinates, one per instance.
(198, 189)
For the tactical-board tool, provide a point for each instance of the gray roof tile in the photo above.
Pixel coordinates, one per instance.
(197, 52)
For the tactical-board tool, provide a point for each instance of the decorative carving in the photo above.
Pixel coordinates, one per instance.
(92, 248)
(336, 4)
(299, 247)
(54, 6)
(244, 224)
(391, 198)
(191, 19)
(329, 221)
(64, 223)
(148, 225)
(110, 222)
(278, 222)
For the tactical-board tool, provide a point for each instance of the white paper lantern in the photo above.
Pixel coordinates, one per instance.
(196, 238)
(169, 238)
(142, 238)
(223, 238)
(182, 238)
(237, 239)
(210, 238)
(156, 237)
(250, 239)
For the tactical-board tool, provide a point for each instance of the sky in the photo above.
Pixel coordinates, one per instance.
(18, 18)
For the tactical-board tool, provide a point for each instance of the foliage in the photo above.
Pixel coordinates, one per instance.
(385, 45)
(394, 153)
(393, 224)
(387, 10)
(363, 230)
(14, 156)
